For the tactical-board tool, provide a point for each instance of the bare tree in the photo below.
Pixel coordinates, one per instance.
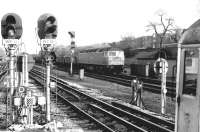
(163, 28)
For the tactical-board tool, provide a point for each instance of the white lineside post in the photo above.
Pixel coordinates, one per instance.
(163, 89)
(16, 78)
(25, 70)
(31, 115)
(48, 92)
(71, 65)
(147, 70)
(72, 35)
(12, 79)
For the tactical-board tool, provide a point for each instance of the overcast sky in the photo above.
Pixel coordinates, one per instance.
(98, 21)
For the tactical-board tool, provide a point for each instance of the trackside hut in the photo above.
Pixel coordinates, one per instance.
(144, 58)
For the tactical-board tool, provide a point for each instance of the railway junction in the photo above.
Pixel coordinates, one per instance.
(38, 94)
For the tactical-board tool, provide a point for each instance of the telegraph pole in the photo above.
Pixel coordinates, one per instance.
(72, 35)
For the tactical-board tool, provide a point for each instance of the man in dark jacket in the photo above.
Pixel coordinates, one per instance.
(133, 86)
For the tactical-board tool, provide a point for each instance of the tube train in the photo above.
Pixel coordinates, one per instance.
(103, 60)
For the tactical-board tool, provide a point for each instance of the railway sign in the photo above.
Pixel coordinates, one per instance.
(48, 41)
(159, 64)
(11, 41)
(21, 89)
(53, 84)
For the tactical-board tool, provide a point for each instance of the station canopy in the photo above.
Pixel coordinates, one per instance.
(192, 34)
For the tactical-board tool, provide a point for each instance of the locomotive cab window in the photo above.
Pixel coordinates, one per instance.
(112, 53)
(191, 62)
(105, 53)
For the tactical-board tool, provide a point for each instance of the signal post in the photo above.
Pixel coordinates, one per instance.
(72, 35)
(11, 31)
(161, 67)
(163, 84)
(47, 33)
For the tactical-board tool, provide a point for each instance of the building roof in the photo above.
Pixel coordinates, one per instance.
(153, 53)
(191, 35)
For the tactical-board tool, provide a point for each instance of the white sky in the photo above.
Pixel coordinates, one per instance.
(97, 21)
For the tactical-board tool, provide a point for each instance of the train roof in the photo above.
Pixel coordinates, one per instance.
(191, 35)
(100, 49)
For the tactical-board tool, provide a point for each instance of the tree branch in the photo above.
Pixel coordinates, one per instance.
(161, 29)
(161, 20)
(153, 26)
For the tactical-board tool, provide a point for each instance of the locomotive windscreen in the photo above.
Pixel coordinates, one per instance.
(190, 71)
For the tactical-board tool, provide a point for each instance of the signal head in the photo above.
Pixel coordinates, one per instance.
(72, 34)
(11, 26)
(47, 27)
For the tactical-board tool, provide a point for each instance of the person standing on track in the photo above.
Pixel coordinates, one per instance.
(133, 86)
(139, 90)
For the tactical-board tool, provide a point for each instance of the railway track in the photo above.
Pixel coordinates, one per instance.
(3, 70)
(3, 74)
(153, 85)
(150, 86)
(109, 116)
(170, 83)
(64, 102)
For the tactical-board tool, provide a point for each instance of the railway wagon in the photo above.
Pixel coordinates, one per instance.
(107, 60)
(64, 62)
(60, 61)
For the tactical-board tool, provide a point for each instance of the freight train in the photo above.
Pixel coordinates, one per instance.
(102, 60)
